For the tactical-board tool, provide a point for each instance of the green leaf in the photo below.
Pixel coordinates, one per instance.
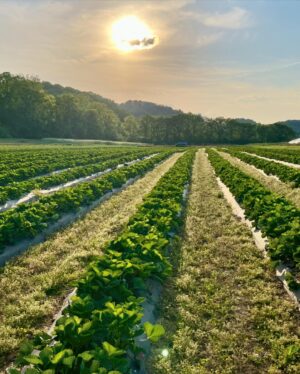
(111, 350)
(35, 360)
(87, 326)
(60, 355)
(46, 354)
(153, 332)
(32, 371)
(86, 356)
(68, 361)
(26, 348)
(13, 371)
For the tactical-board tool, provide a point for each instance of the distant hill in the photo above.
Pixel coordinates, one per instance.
(141, 108)
(293, 124)
(57, 89)
(134, 107)
(33, 109)
(245, 120)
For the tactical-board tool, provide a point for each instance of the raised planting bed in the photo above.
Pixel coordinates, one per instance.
(27, 220)
(284, 173)
(277, 218)
(98, 331)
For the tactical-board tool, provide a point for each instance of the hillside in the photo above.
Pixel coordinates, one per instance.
(33, 110)
(245, 120)
(294, 125)
(141, 108)
(57, 89)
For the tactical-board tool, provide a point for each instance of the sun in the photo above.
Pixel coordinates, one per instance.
(130, 34)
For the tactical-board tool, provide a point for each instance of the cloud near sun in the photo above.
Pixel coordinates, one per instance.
(130, 34)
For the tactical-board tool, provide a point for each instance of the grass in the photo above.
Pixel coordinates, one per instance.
(224, 310)
(281, 188)
(33, 286)
(280, 146)
(46, 141)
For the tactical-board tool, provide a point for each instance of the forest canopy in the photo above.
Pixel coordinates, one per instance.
(33, 109)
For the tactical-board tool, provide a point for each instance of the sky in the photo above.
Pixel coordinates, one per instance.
(218, 57)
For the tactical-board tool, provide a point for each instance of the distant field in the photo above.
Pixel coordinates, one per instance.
(280, 146)
(46, 141)
(174, 251)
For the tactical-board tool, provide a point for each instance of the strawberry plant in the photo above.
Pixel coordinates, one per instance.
(27, 220)
(278, 219)
(17, 188)
(98, 331)
(284, 173)
(288, 155)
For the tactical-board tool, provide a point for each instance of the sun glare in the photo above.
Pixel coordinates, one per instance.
(130, 34)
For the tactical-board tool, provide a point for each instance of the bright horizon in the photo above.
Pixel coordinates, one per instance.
(217, 58)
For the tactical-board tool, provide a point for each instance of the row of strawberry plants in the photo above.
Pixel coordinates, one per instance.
(27, 220)
(17, 189)
(272, 214)
(18, 157)
(284, 173)
(292, 156)
(98, 332)
(16, 160)
(37, 168)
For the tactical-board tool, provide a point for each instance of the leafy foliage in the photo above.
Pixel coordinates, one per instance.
(31, 109)
(284, 173)
(27, 220)
(272, 214)
(107, 159)
(288, 155)
(98, 331)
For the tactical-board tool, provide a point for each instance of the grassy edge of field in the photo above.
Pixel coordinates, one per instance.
(281, 188)
(231, 314)
(65, 141)
(33, 285)
(285, 154)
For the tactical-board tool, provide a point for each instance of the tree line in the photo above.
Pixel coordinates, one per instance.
(33, 109)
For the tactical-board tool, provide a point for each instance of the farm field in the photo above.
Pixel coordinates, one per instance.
(288, 154)
(164, 276)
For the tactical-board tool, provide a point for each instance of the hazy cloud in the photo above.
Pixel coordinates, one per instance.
(213, 57)
(204, 40)
(236, 18)
(143, 43)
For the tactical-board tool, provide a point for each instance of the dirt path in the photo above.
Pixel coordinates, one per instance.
(232, 314)
(33, 285)
(260, 241)
(281, 188)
